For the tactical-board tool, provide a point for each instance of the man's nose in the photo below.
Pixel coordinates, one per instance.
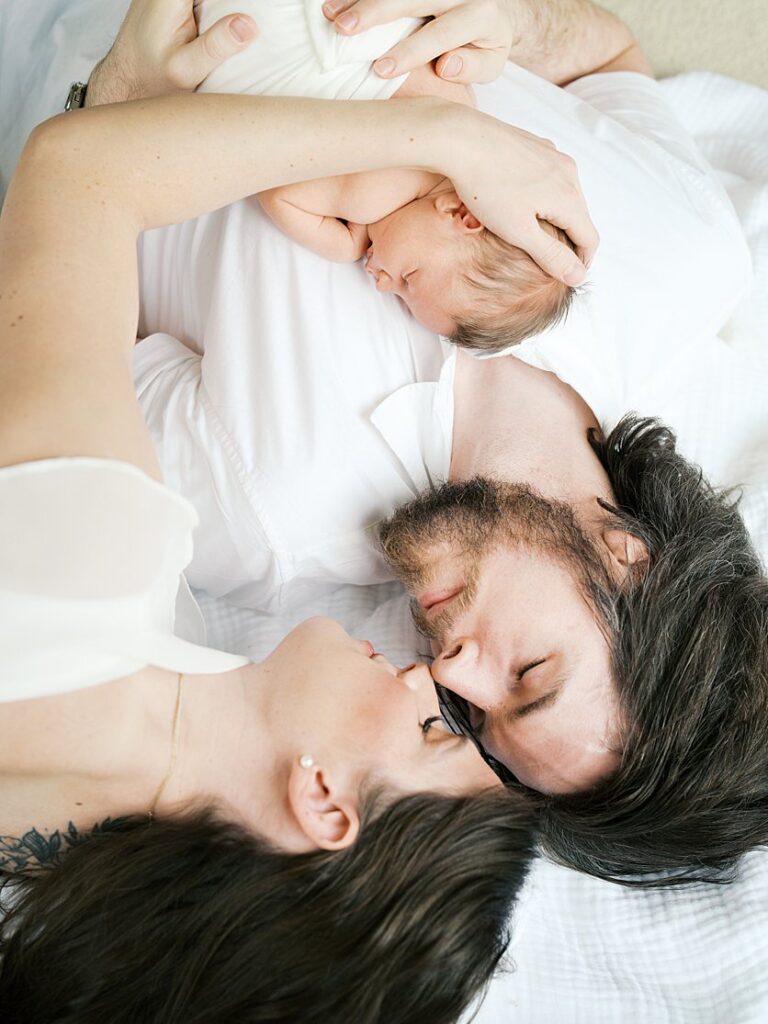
(459, 667)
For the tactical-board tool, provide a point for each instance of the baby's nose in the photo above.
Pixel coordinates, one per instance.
(370, 263)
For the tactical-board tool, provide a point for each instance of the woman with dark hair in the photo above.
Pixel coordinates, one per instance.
(105, 710)
(194, 920)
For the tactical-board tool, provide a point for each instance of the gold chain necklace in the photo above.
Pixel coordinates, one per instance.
(174, 752)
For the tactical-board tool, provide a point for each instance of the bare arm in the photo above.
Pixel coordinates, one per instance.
(329, 215)
(471, 40)
(90, 181)
(291, 208)
(86, 185)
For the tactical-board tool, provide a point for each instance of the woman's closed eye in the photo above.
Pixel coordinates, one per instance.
(435, 727)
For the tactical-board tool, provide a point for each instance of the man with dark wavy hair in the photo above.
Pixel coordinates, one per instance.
(629, 695)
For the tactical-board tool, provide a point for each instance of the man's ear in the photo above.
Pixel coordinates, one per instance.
(449, 203)
(626, 551)
(325, 807)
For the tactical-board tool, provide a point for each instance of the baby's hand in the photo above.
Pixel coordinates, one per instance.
(360, 239)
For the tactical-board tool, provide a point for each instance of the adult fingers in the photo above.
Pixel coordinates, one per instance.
(552, 255)
(438, 37)
(353, 16)
(471, 64)
(582, 232)
(195, 61)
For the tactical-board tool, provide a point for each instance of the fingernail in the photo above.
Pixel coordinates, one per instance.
(332, 6)
(347, 21)
(385, 66)
(575, 277)
(242, 29)
(452, 67)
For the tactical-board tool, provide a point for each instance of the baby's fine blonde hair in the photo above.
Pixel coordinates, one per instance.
(514, 298)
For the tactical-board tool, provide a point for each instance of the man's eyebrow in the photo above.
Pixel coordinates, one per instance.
(536, 705)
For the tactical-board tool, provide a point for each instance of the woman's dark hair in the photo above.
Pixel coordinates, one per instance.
(689, 634)
(194, 920)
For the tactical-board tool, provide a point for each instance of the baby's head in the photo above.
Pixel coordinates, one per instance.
(459, 279)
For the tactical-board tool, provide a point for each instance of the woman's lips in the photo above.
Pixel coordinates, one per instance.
(368, 649)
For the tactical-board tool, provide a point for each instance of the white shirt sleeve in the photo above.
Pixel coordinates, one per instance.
(673, 262)
(91, 553)
(637, 102)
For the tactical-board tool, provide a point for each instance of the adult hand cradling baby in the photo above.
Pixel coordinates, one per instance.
(534, 182)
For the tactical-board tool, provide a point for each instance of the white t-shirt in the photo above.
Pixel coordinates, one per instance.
(318, 404)
(90, 571)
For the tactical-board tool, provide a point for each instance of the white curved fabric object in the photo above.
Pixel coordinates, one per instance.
(299, 53)
(91, 555)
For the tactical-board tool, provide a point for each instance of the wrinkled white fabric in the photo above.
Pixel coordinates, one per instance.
(298, 52)
(91, 555)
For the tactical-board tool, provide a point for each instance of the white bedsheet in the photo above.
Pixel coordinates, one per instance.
(586, 952)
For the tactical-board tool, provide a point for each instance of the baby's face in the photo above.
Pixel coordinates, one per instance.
(419, 252)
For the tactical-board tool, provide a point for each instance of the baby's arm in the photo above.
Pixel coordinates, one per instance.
(329, 215)
(301, 212)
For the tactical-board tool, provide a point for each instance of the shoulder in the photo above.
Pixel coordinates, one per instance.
(39, 847)
(90, 554)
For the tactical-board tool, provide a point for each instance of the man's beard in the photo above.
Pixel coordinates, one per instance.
(464, 521)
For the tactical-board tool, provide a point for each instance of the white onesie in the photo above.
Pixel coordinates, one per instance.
(299, 53)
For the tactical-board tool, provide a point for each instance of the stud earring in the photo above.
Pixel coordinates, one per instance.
(307, 761)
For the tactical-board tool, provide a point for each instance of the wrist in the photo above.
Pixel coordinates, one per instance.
(438, 125)
(109, 83)
(458, 136)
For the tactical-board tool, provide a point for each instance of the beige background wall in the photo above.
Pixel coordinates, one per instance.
(729, 36)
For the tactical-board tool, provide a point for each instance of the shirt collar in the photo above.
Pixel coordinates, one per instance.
(416, 422)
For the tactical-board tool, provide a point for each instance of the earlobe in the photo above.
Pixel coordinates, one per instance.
(624, 548)
(325, 808)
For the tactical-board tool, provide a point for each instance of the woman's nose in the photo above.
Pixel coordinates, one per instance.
(459, 668)
(416, 677)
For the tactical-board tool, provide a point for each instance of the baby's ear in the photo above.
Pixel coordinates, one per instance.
(450, 204)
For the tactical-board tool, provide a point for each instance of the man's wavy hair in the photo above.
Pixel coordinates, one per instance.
(194, 920)
(689, 639)
(690, 650)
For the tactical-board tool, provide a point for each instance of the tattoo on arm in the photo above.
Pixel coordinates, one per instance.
(41, 849)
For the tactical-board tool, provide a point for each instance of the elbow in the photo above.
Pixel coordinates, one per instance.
(57, 147)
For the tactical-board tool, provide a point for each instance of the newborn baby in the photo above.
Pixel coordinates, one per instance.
(418, 239)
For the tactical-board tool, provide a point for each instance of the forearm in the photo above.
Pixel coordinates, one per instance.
(321, 233)
(217, 149)
(562, 40)
(113, 82)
